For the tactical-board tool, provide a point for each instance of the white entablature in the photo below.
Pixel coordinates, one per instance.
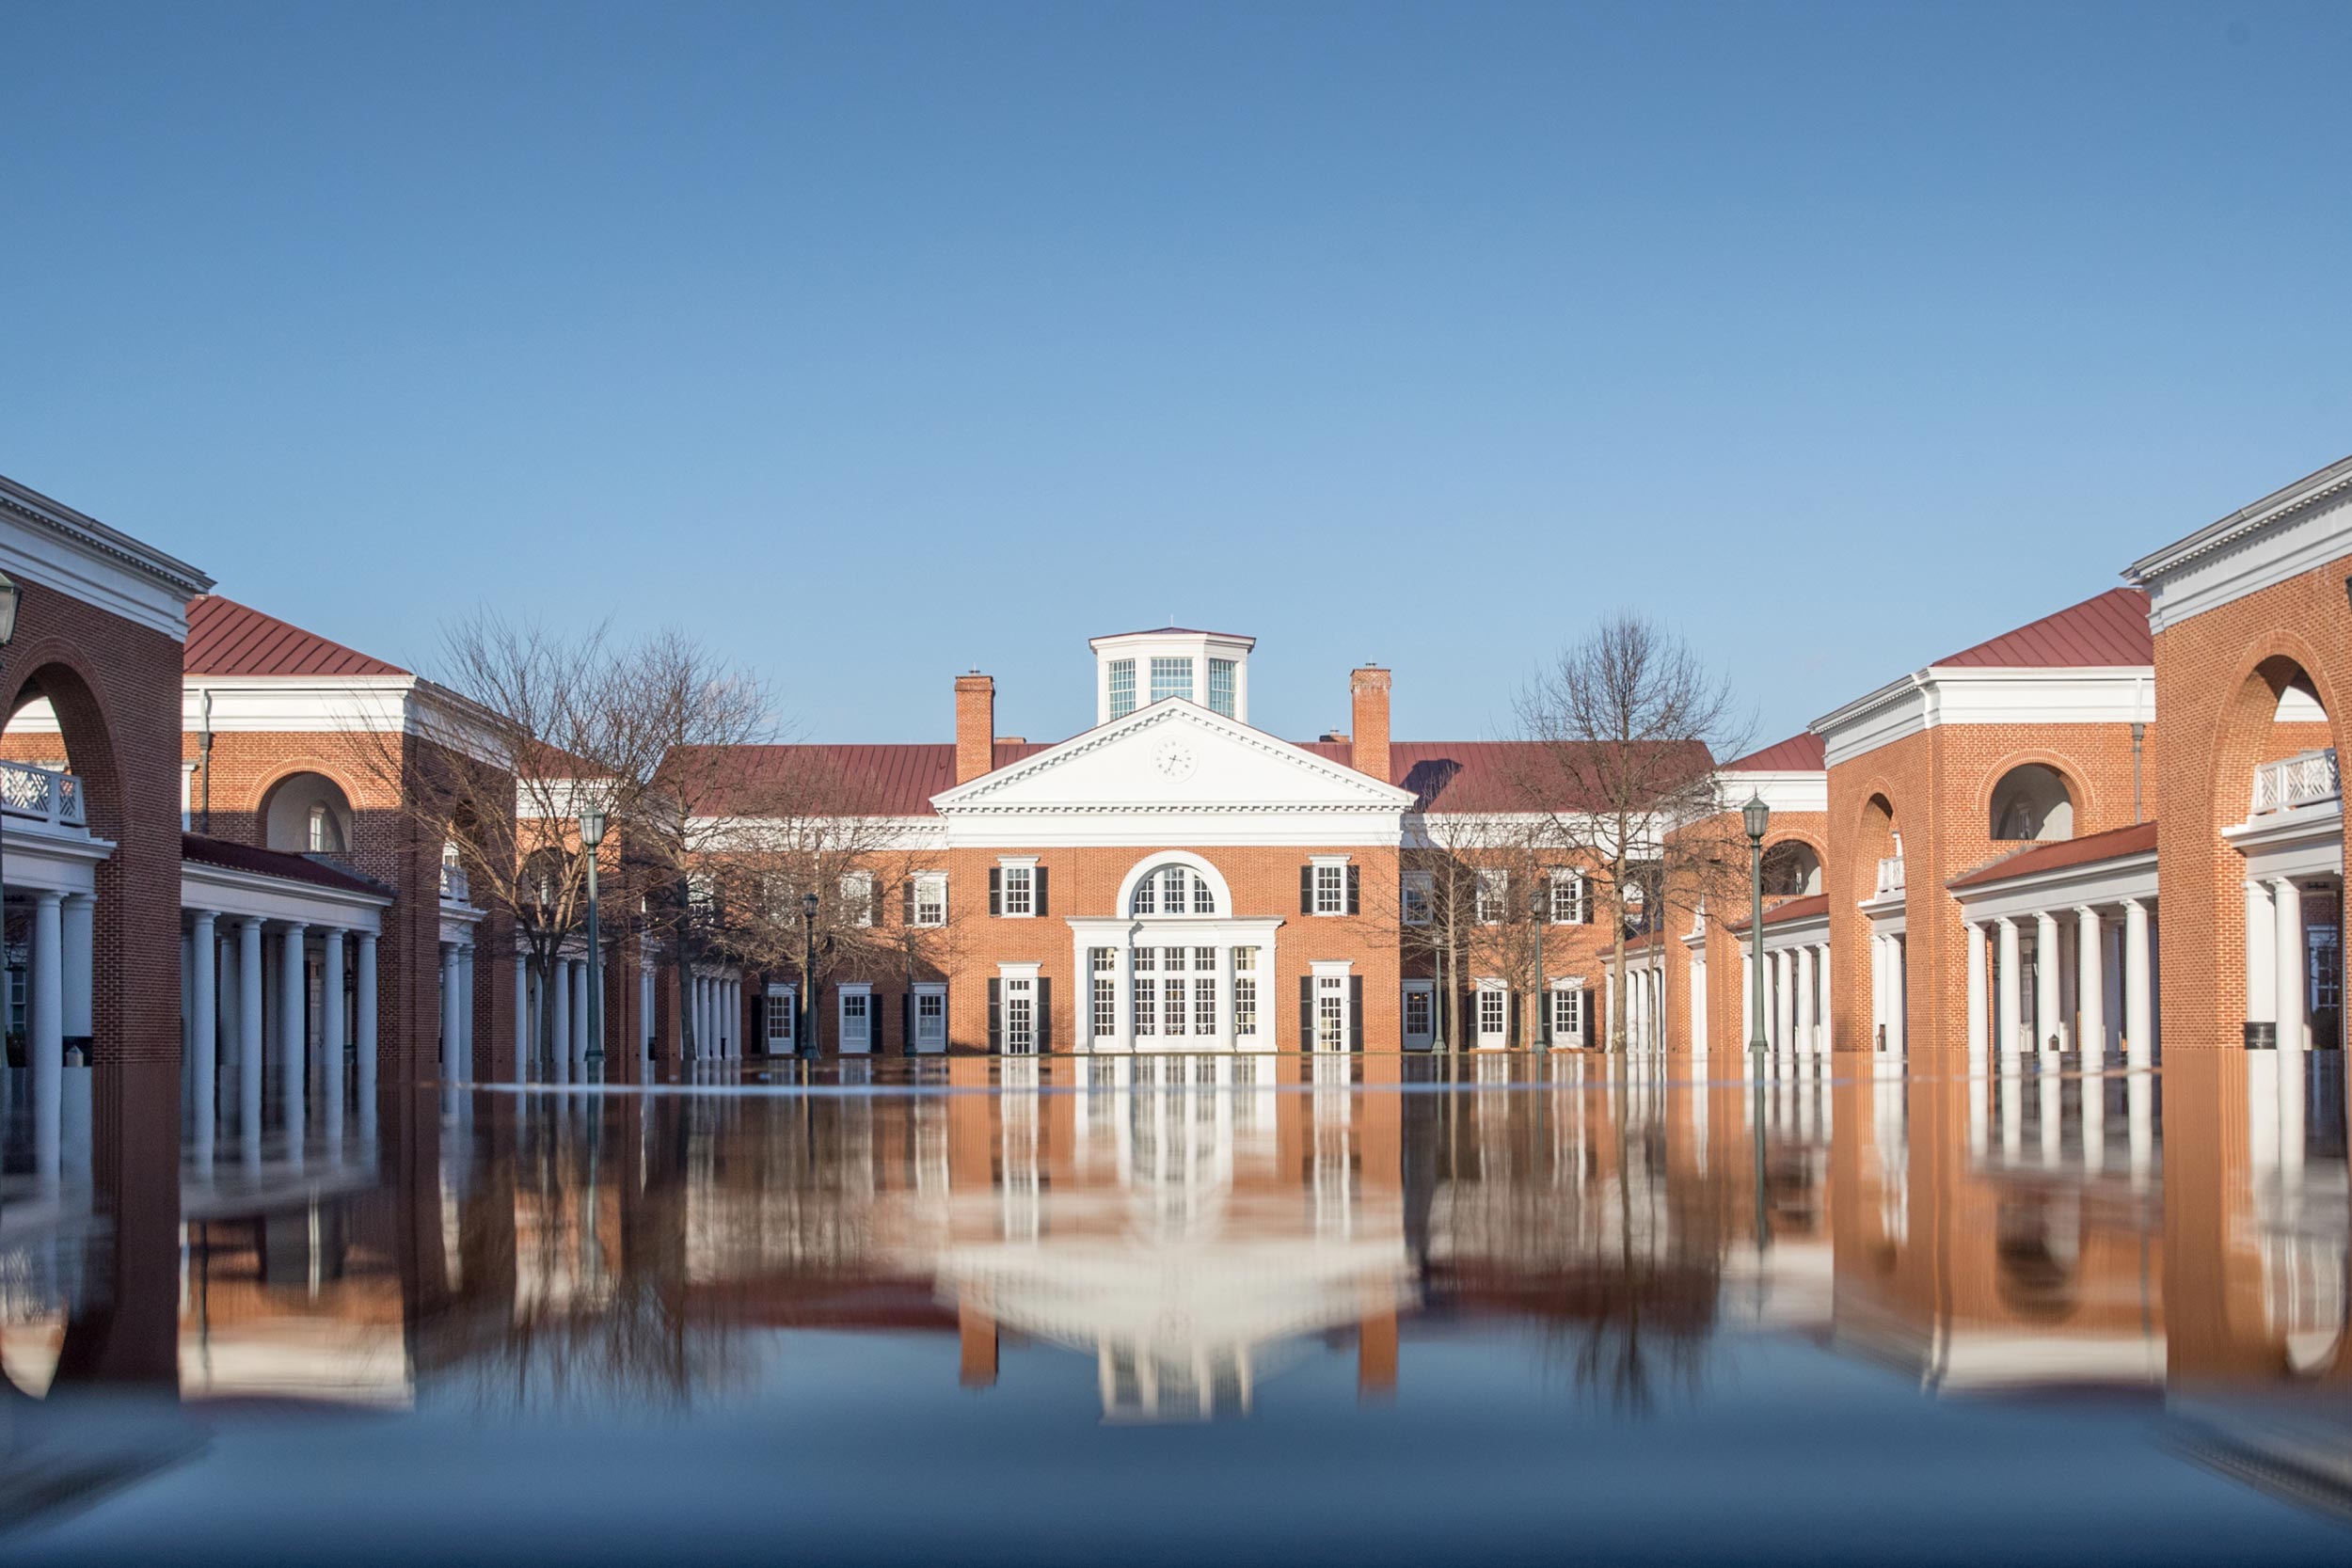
(2285, 534)
(1979, 694)
(1174, 773)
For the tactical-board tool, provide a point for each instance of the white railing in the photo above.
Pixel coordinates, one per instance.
(2306, 779)
(41, 795)
(453, 886)
(1891, 874)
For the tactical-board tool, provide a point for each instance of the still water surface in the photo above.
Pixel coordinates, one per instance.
(1370, 1310)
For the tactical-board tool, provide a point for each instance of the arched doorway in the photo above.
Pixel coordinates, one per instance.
(2032, 804)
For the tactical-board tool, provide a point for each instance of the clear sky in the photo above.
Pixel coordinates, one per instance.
(879, 342)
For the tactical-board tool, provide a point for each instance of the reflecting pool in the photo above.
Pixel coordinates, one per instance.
(1367, 1309)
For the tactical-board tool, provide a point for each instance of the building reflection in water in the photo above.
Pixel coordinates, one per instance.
(1194, 1226)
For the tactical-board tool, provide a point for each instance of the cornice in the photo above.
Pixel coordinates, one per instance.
(90, 534)
(2332, 480)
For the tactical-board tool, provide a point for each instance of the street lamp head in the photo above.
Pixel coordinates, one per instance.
(808, 905)
(1536, 906)
(7, 610)
(592, 827)
(1758, 814)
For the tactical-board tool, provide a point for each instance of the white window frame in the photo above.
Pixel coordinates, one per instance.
(1143, 1003)
(1330, 883)
(1231, 670)
(789, 996)
(1499, 993)
(1569, 1023)
(929, 991)
(931, 879)
(1176, 992)
(1492, 902)
(1017, 996)
(1102, 987)
(1119, 666)
(1161, 665)
(864, 994)
(1331, 1013)
(1569, 892)
(857, 895)
(1245, 1004)
(1017, 870)
(1417, 890)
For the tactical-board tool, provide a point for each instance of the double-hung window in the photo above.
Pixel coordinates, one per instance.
(1123, 688)
(1221, 685)
(1171, 677)
(1174, 1011)
(1205, 990)
(1494, 888)
(1147, 983)
(930, 898)
(1567, 1016)
(857, 896)
(1330, 888)
(1104, 963)
(1017, 890)
(1420, 889)
(1244, 992)
(1567, 899)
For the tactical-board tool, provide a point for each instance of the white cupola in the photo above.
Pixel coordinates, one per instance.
(1135, 668)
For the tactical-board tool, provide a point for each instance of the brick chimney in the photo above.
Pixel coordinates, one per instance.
(1369, 688)
(976, 725)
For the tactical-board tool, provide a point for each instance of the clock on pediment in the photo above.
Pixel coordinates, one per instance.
(1173, 759)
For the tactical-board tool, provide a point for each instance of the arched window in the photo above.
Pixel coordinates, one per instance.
(2031, 803)
(307, 813)
(1791, 870)
(1172, 890)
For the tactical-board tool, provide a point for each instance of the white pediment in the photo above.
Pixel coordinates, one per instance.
(1125, 780)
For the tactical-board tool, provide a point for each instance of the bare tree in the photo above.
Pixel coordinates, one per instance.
(1480, 870)
(1626, 726)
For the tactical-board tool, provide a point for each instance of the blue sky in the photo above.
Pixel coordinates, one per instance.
(879, 342)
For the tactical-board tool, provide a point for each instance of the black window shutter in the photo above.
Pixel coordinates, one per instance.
(1036, 891)
(995, 1009)
(906, 901)
(1355, 1002)
(996, 893)
(1306, 1012)
(1354, 901)
(1307, 889)
(1045, 1009)
(1514, 1018)
(906, 1023)
(1543, 1017)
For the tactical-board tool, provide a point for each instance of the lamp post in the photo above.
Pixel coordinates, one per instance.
(1535, 912)
(591, 836)
(1760, 816)
(808, 975)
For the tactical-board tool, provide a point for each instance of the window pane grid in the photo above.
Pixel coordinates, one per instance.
(1171, 677)
(1221, 686)
(1123, 688)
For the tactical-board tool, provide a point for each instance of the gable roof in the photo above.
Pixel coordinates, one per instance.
(1801, 753)
(2116, 843)
(226, 638)
(2110, 629)
(1467, 776)
(872, 780)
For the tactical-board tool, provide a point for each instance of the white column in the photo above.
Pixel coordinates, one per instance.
(2010, 1013)
(332, 1028)
(2090, 985)
(1808, 1016)
(464, 1009)
(363, 1005)
(1828, 1007)
(45, 1033)
(1698, 1005)
(579, 1020)
(249, 1038)
(644, 1006)
(1978, 976)
(2139, 1008)
(449, 1012)
(1785, 1006)
(204, 1027)
(1897, 996)
(78, 927)
(2287, 899)
(2262, 960)
(1878, 987)
(522, 1015)
(2049, 961)
(556, 996)
(292, 1042)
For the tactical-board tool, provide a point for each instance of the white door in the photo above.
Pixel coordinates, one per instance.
(1494, 1016)
(1020, 1025)
(930, 1019)
(782, 1011)
(857, 1023)
(1421, 1014)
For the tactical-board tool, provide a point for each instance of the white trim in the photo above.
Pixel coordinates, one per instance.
(842, 993)
(53, 862)
(224, 890)
(1795, 790)
(2307, 841)
(47, 543)
(1152, 865)
(2288, 533)
(1971, 694)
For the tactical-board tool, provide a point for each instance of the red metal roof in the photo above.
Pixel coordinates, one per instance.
(2110, 629)
(1788, 909)
(1800, 753)
(2116, 843)
(226, 638)
(274, 862)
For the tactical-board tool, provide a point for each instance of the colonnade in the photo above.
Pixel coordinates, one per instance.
(716, 1000)
(2277, 962)
(227, 1015)
(2093, 983)
(1890, 988)
(1796, 1002)
(59, 969)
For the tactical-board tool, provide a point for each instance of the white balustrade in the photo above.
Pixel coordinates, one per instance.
(2306, 779)
(43, 795)
(1891, 874)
